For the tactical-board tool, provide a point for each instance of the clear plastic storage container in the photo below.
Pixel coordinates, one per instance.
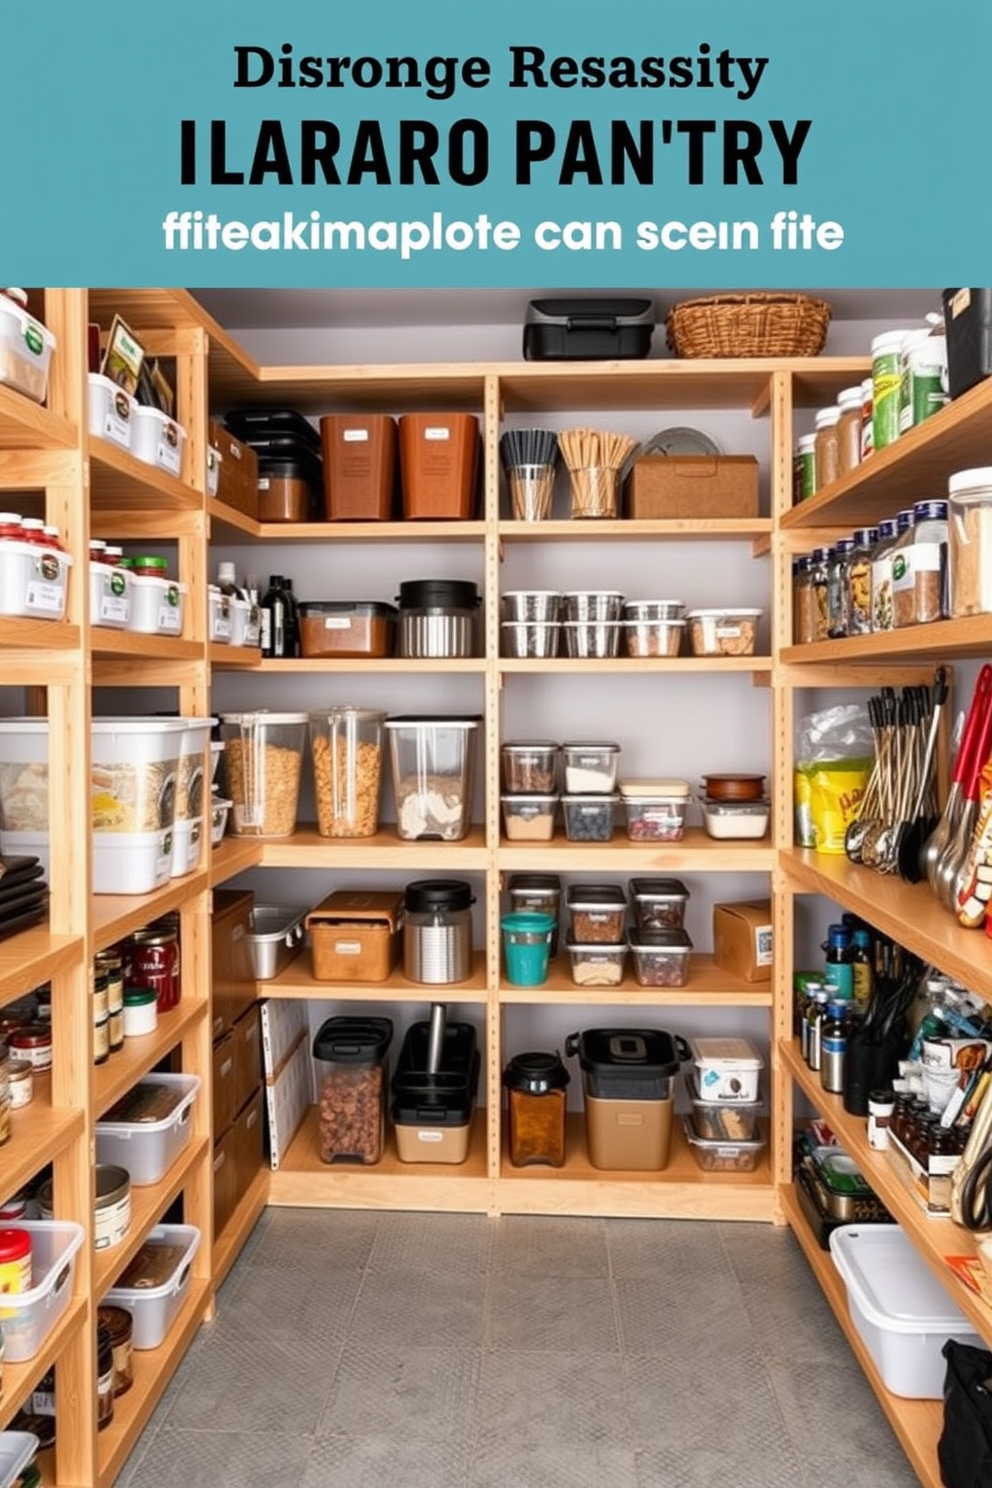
(655, 809)
(590, 768)
(347, 748)
(351, 1055)
(529, 768)
(661, 957)
(529, 818)
(595, 964)
(147, 1129)
(726, 632)
(589, 818)
(263, 759)
(433, 760)
(596, 913)
(659, 903)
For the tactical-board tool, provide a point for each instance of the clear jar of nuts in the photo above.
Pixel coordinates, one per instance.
(346, 743)
(351, 1070)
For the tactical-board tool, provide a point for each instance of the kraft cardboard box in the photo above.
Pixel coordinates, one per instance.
(742, 939)
(662, 486)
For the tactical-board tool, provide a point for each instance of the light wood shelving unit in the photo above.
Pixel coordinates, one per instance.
(87, 487)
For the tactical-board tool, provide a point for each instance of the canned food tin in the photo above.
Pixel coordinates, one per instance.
(33, 1042)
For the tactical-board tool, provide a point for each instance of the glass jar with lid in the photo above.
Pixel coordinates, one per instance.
(837, 591)
(919, 567)
(859, 581)
(827, 446)
(849, 401)
(820, 583)
(537, 1101)
(804, 468)
(803, 602)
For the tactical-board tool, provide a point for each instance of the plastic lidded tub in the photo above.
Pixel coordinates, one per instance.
(726, 632)
(595, 964)
(597, 913)
(529, 818)
(589, 818)
(659, 903)
(433, 759)
(529, 766)
(735, 819)
(726, 1068)
(157, 439)
(652, 637)
(723, 1156)
(661, 957)
(26, 348)
(347, 628)
(540, 892)
(590, 767)
(351, 1055)
(723, 1121)
(655, 809)
(263, 760)
(348, 768)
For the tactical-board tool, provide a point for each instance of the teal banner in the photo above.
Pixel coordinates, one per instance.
(441, 144)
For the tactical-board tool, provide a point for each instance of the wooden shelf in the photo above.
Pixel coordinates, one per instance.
(152, 1369)
(948, 638)
(695, 853)
(233, 855)
(908, 913)
(917, 1423)
(18, 633)
(148, 1204)
(116, 915)
(131, 644)
(706, 986)
(630, 665)
(114, 1079)
(328, 532)
(702, 529)
(26, 425)
(122, 483)
(680, 1191)
(362, 388)
(20, 1379)
(39, 1133)
(228, 1244)
(363, 667)
(297, 980)
(954, 438)
(32, 957)
(231, 658)
(307, 849)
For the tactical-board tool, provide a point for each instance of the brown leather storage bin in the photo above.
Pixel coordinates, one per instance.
(249, 1144)
(359, 467)
(225, 1179)
(439, 458)
(284, 495)
(233, 969)
(247, 1055)
(662, 486)
(237, 478)
(223, 1082)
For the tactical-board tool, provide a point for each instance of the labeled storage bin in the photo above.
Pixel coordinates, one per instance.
(723, 1121)
(110, 409)
(655, 810)
(147, 1129)
(652, 637)
(692, 487)
(722, 1156)
(155, 1284)
(432, 1109)
(26, 348)
(28, 1317)
(589, 818)
(433, 765)
(723, 632)
(237, 477)
(155, 606)
(275, 938)
(529, 818)
(590, 768)
(540, 892)
(596, 913)
(218, 616)
(735, 819)
(902, 1313)
(596, 964)
(355, 935)
(627, 1085)
(529, 768)
(348, 757)
(439, 456)
(187, 846)
(359, 453)
(726, 1068)
(263, 760)
(661, 957)
(110, 590)
(347, 628)
(34, 580)
(157, 439)
(659, 903)
(351, 1055)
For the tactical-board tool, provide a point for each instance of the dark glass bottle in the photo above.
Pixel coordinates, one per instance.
(292, 620)
(273, 615)
(838, 972)
(861, 969)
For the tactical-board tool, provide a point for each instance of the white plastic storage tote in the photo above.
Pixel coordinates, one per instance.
(154, 1309)
(147, 1149)
(27, 1318)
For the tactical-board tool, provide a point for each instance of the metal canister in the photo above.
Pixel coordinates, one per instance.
(437, 934)
(437, 617)
(833, 1047)
(155, 963)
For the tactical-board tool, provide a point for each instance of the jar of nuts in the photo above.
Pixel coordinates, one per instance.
(346, 743)
(351, 1057)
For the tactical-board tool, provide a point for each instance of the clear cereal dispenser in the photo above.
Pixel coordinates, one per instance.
(347, 748)
(351, 1057)
(263, 758)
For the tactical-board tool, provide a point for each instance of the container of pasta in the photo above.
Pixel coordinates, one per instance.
(263, 759)
(347, 748)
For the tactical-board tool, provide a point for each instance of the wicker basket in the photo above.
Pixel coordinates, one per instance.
(748, 325)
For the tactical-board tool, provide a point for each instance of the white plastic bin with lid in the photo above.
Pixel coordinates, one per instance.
(110, 595)
(726, 1068)
(17, 1448)
(148, 1148)
(154, 1308)
(263, 761)
(110, 409)
(33, 580)
(157, 439)
(26, 348)
(969, 535)
(902, 1313)
(433, 760)
(218, 616)
(193, 746)
(187, 846)
(28, 1317)
(156, 605)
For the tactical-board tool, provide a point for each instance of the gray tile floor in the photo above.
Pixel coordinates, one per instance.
(453, 1351)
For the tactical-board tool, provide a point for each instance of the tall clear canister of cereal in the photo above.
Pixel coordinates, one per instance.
(263, 760)
(347, 747)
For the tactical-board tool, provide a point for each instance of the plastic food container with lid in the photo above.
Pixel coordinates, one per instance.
(536, 1087)
(596, 964)
(596, 913)
(735, 819)
(148, 1128)
(438, 617)
(347, 628)
(529, 818)
(589, 818)
(432, 1109)
(652, 637)
(727, 632)
(628, 1092)
(110, 410)
(348, 752)
(526, 946)
(155, 605)
(540, 892)
(969, 541)
(529, 767)
(721, 1155)
(661, 957)
(659, 903)
(433, 760)
(355, 935)
(34, 580)
(726, 1068)
(30, 1316)
(157, 439)
(263, 760)
(154, 1285)
(110, 589)
(26, 348)
(351, 1055)
(723, 1121)
(655, 809)
(590, 767)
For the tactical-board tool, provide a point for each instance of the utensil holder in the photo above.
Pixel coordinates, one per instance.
(595, 492)
(531, 491)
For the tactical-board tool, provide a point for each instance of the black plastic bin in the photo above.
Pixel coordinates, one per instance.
(432, 1110)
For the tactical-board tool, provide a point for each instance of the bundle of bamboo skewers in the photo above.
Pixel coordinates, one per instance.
(594, 458)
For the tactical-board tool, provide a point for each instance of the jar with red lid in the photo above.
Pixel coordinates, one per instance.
(33, 530)
(113, 555)
(15, 1261)
(150, 568)
(11, 527)
(53, 538)
(98, 550)
(155, 963)
(33, 1042)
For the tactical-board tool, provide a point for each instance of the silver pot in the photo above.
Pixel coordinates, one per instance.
(437, 632)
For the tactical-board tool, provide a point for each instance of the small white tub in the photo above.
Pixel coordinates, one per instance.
(244, 629)
(154, 1308)
(26, 348)
(219, 616)
(157, 439)
(726, 1068)
(110, 411)
(187, 845)
(34, 581)
(110, 590)
(156, 605)
(131, 862)
(147, 1146)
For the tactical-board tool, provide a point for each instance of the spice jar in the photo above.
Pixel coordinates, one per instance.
(119, 1326)
(820, 585)
(969, 533)
(859, 581)
(21, 1083)
(803, 603)
(886, 378)
(881, 576)
(537, 1101)
(155, 963)
(827, 447)
(837, 590)
(33, 1043)
(919, 567)
(437, 932)
(140, 1011)
(804, 468)
(849, 430)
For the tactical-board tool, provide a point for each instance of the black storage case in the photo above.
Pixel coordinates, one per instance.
(445, 1097)
(968, 326)
(626, 1063)
(604, 329)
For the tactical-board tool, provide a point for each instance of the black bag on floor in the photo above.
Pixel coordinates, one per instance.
(964, 1450)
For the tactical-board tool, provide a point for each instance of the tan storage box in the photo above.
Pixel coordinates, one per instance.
(237, 480)
(223, 1083)
(693, 486)
(359, 466)
(742, 939)
(355, 935)
(432, 1144)
(632, 1135)
(438, 461)
(247, 1056)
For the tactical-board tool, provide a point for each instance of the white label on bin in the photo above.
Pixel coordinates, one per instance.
(337, 622)
(348, 947)
(355, 436)
(763, 945)
(263, 482)
(430, 1136)
(437, 433)
(168, 453)
(49, 599)
(113, 609)
(727, 632)
(168, 619)
(117, 421)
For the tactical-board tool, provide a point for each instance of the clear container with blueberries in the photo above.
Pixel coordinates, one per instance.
(589, 818)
